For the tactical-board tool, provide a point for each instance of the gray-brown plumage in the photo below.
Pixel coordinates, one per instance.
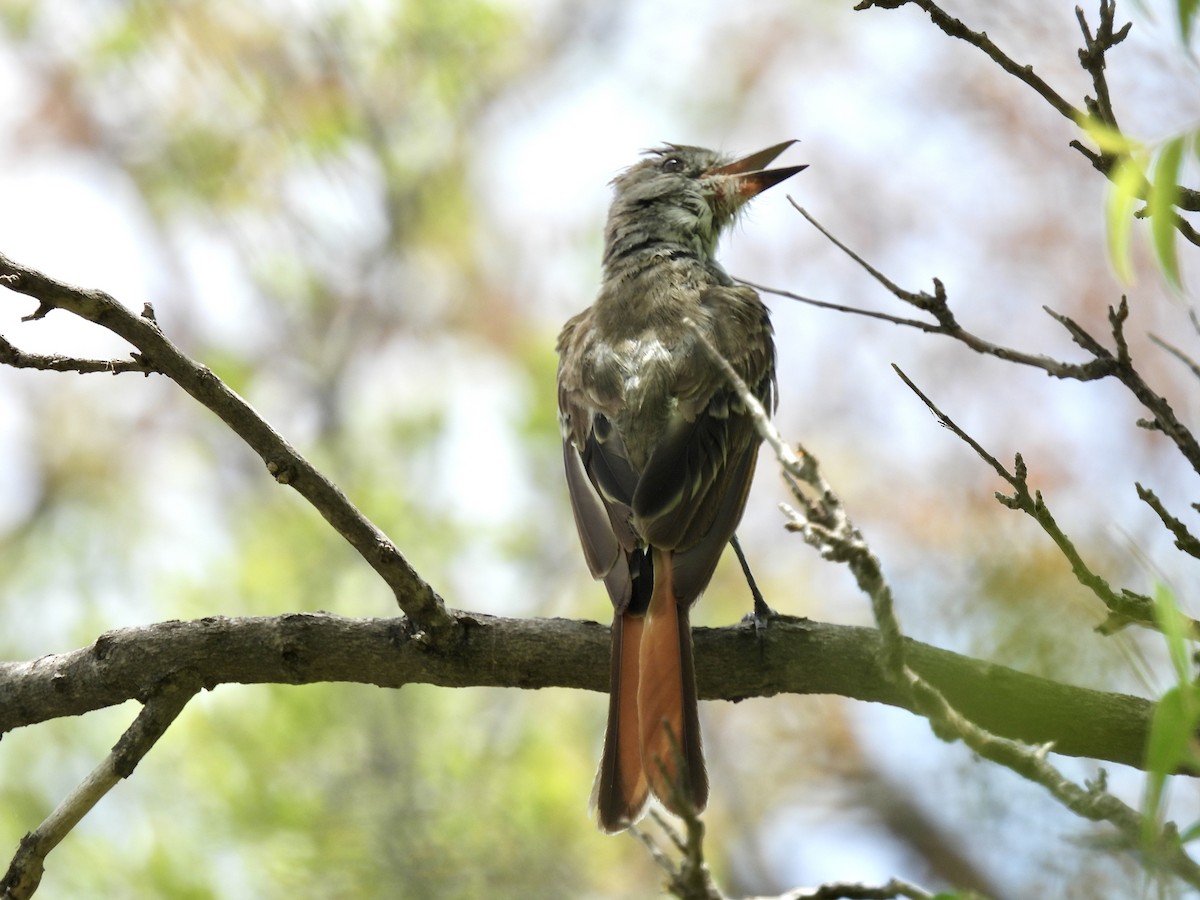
(659, 451)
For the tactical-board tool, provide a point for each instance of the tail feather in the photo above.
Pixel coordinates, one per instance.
(672, 757)
(621, 788)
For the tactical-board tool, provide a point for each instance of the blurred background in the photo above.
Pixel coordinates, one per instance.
(371, 218)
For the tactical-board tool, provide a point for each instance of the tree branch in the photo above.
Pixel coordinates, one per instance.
(25, 872)
(19, 359)
(1091, 801)
(894, 889)
(826, 526)
(1124, 606)
(954, 28)
(156, 352)
(1123, 370)
(690, 878)
(1105, 363)
(732, 663)
(946, 323)
(1177, 353)
(1091, 59)
(1184, 539)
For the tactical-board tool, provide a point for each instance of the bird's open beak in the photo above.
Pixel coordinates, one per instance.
(751, 177)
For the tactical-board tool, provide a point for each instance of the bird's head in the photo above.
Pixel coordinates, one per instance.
(685, 196)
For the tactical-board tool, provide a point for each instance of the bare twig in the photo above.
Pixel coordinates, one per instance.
(25, 872)
(835, 537)
(1178, 354)
(762, 421)
(413, 594)
(927, 327)
(1105, 363)
(1124, 606)
(956, 29)
(1182, 225)
(1184, 539)
(937, 305)
(825, 525)
(661, 859)
(1164, 419)
(1030, 762)
(1092, 58)
(689, 879)
(845, 890)
(18, 359)
(1161, 845)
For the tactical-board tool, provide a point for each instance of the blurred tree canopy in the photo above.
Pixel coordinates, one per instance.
(369, 219)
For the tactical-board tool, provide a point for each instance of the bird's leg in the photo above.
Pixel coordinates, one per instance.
(762, 612)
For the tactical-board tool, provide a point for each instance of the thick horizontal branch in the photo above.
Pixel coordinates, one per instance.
(732, 663)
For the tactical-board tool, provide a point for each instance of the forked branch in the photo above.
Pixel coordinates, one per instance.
(156, 353)
(826, 526)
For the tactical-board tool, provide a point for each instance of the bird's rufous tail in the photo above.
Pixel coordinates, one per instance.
(653, 738)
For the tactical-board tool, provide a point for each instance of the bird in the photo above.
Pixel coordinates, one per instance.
(659, 450)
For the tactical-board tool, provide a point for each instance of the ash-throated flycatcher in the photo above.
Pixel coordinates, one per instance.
(660, 451)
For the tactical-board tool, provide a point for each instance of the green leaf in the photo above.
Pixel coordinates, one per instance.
(1190, 833)
(1174, 628)
(1171, 729)
(1171, 744)
(1109, 140)
(1164, 195)
(1169, 747)
(1127, 179)
(1185, 11)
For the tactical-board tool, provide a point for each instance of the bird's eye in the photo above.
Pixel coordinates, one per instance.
(672, 164)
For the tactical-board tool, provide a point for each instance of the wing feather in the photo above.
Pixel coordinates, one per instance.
(691, 491)
(600, 546)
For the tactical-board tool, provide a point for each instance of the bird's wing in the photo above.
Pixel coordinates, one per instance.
(600, 478)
